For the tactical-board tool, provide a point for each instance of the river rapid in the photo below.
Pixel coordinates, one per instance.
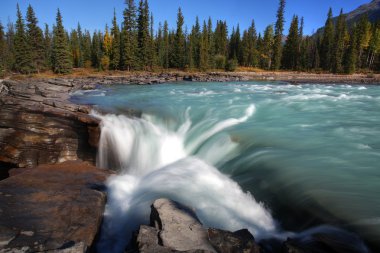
(272, 157)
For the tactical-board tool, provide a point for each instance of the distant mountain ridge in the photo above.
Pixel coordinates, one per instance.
(372, 10)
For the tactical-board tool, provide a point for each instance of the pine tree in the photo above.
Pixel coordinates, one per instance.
(303, 44)
(10, 47)
(129, 47)
(194, 45)
(2, 50)
(204, 49)
(80, 40)
(86, 49)
(75, 48)
(152, 48)
(235, 43)
(350, 57)
(363, 39)
(267, 48)
(327, 45)
(23, 57)
(248, 52)
(220, 38)
(60, 52)
(291, 48)
(189, 48)
(159, 43)
(244, 52)
(179, 43)
(317, 54)
(279, 29)
(143, 38)
(166, 47)
(171, 49)
(107, 42)
(374, 47)
(96, 50)
(115, 46)
(36, 41)
(339, 44)
(211, 44)
(47, 47)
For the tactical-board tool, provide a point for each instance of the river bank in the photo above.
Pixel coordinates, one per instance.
(172, 76)
(72, 133)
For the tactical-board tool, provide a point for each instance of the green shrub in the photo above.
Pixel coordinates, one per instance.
(231, 65)
(220, 61)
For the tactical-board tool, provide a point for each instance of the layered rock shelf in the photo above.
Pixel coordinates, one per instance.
(54, 208)
(38, 125)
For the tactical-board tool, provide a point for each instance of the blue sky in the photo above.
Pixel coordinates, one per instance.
(94, 14)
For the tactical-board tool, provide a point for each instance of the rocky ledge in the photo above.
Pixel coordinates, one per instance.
(38, 125)
(175, 228)
(52, 208)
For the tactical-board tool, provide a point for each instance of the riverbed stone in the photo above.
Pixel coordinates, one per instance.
(228, 242)
(179, 227)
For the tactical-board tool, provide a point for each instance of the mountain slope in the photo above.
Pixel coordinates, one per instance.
(372, 9)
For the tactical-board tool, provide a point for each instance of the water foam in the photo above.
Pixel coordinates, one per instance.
(157, 160)
(217, 200)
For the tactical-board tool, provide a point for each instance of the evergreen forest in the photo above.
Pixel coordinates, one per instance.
(132, 44)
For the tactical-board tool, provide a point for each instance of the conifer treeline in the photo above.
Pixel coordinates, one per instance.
(134, 45)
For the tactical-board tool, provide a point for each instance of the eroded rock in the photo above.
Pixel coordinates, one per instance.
(179, 227)
(228, 242)
(175, 228)
(52, 208)
(38, 125)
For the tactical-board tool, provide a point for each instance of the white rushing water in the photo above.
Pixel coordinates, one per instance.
(158, 159)
(310, 152)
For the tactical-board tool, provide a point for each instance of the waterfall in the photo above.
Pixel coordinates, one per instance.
(157, 159)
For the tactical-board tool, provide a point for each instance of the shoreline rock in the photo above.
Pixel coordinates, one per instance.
(175, 228)
(52, 208)
(38, 125)
(150, 78)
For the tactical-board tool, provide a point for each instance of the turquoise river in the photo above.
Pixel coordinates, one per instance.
(272, 157)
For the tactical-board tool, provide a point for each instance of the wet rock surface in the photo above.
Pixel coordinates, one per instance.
(38, 125)
(52, 208)
(239, 241)
(179, 228)
(175, 228)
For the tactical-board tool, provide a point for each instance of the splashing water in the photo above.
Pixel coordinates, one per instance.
(310, 152)
(156, 161)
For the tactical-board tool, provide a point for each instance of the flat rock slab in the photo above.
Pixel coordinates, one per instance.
(179, 228)
(52, 208)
